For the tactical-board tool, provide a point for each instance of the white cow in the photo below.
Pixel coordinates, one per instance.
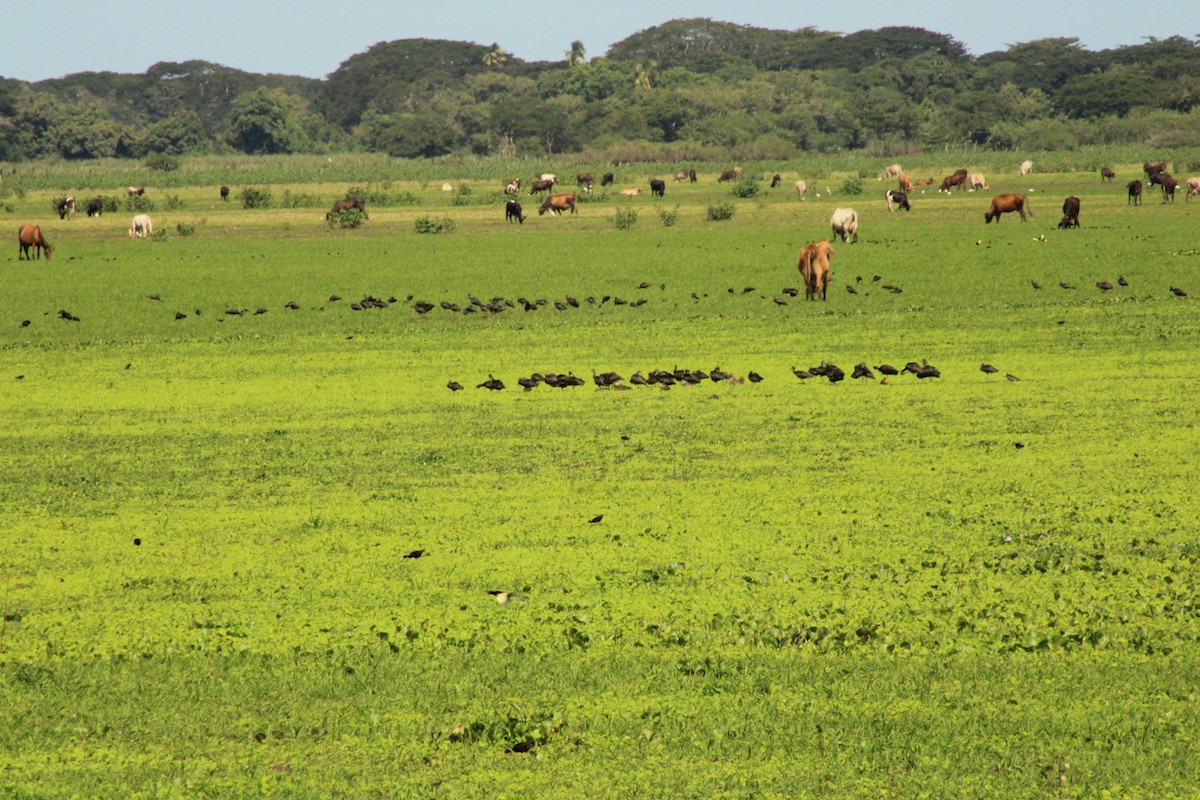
(977, 180)
(142, 227)
(801, 189)
(631, 192)
(1026, 166)
(845, 224)
(1193, 187)
(890, 172)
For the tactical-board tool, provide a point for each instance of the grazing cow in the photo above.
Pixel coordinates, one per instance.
(585, 178)
(512, 210)
(1135, 193)
(899, 198)
(225, 193)
(136, 191)
(686, 175)
(95, 207)
(345, 203)
(513, 186)
(905, 182)
(1070, 213)
(959, 179)
(1169, 185)
(558, 203)
(977, 180)
(142, 227)
(845, 224)
(631, 192)
(607, 180)
(890, 172)
(541, 185)
(729, 175)
(65, 207)
(1152, 169)
(776, 180)
(801, 189)
(923, 182)
(1193, 187)
(1004, 203)
(658, 188)
(1025, 168)
(31, 236)
(814, 268)
(1106, 174)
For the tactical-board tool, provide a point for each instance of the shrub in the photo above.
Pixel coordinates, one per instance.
(185, 229)
(721, 212)
(430, 225)
(625, 218)
(172, 202)
(300, 200)
(138, 203)
(161, 162)
(347, 218)
(668, 217)
(160, 235)
(745, 187)
(253, 197)
(852, 186)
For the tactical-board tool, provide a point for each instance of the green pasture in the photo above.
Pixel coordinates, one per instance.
(960, 587)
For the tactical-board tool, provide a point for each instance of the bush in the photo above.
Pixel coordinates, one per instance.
(745, 187)
(852, 186)
(347, 218)
(625, 218)
(720, 213)
(375, 197)
(430, 225)
(300, 200)
(668, 217)
(253, 197)
(138, 203)
(160, 235)
(184, 229)
(161, 162)
(172, 202)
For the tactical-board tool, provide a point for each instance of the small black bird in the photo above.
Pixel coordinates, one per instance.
(1035, 284)
(888, 369)
(333, 298)
(791, 291)
(260, 310)
(454, 386)
(861, 370)
(988, 368)
(67, 315)
(644, 285)
(25, 323)
(754, 377)
(153, 297)
(493, 384)
(851, 289)
(180, 315)
(292, 304)
(1175, 290)
(877, 278)
(1121, 281)
(779, 301)
(528, 383)
(415, 554)
(1018, 445)
(801, 374)
(421, 307)
(748, 290)
(1104, 286)
(523, 747)
(596, 519)
(1066, 285)
(1011, 377)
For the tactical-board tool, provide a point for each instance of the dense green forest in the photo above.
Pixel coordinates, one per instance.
(693, 88)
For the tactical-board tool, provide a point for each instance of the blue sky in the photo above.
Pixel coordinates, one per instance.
(311, 38)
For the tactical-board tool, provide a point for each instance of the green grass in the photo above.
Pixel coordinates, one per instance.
(797, 589)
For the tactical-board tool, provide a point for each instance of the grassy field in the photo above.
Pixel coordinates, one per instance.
(965, 586)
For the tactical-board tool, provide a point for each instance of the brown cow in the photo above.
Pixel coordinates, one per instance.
(543, 185)
(31, 236)
(345, 203)
(1151, 169)
(959, 179)
(814, 268)
(1002, 204)
(558, 203)
(1070, 213)
(1106, 174)
(1135, 193)
(585, 177)
(730, 175)
(1168, 184)
(906, 183)
(923, 182)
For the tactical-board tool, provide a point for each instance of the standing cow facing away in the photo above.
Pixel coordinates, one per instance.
(899, 198)
(31, 236)
(658, 188)
(1025, 168)
(776, 180)
(558, 203)
(1135, 193)
(512, 210)
(1004, 203)
(141, 227)
(814, 268)
(1169, 185)
(1070, 213)
(225, 193)
(95, 207)
(801, 189)
(607, 180)
(845, 224)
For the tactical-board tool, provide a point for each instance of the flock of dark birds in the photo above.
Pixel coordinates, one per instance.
(666, 379)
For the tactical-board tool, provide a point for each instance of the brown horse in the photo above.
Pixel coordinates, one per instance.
(31, 236)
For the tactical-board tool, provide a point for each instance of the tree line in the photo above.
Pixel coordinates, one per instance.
(691, 88)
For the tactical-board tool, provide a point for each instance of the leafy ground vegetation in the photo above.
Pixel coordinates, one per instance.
(253, 544)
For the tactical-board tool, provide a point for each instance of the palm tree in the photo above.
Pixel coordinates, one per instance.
(576, 55)
(644, 75)
(497, 56)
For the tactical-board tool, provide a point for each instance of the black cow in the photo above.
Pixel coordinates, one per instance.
(776, 180)
(1135, 193)
(607, 179)
(897, 197)
(1070, 213)
(658, 188)
(95, 207)
(512, 210)
(225, 193)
